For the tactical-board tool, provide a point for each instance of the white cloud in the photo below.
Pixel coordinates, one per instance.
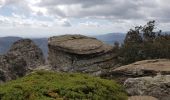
(90, 24)
(21, 21)
(62, 22)
(2, 2)
(108, 9)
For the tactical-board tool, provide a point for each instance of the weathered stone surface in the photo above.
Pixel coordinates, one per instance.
(22, 57)
(31, 53)
(141, 98)
(11, 67)
(142, 68)
(158, 86)
(77, 53)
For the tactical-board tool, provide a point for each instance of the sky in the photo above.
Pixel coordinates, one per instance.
(42, 18)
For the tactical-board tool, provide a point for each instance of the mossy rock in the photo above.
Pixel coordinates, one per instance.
(45, 85)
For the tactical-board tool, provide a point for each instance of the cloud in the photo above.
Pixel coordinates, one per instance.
(21, 21)
(101, 9)
(2, 2)
(85, 3)
(90, 24)
(121, 9)
(62, 22)
(108, 9)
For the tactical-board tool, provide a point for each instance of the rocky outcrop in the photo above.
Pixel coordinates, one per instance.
(158, 86)
(22, 57)
(29, 51)
(77, 53)
(11, 67)
(142, 68)
(142, 98)
(145, 78)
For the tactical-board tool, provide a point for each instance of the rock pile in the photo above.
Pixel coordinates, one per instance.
(22, 57)
(77, 53)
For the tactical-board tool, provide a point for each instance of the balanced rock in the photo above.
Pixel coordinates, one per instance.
(77, 53)
(158, 86)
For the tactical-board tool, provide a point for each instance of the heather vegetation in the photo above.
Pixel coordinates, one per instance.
(45, 85)
(143, 42)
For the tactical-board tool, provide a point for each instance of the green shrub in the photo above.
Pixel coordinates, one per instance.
(44, 85)
(142, 43)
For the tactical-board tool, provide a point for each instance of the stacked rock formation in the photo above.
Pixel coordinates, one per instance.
(77, 53)
(23, 57)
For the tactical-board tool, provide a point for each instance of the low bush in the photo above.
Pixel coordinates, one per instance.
(45, 85)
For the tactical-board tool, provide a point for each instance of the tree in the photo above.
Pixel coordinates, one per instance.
(148, 33)
(116, 45)
(143, 42)
(133, 36)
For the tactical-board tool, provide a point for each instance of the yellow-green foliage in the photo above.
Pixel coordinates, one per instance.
(44, 85)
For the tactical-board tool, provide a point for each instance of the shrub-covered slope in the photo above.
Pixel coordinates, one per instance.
(44, 85)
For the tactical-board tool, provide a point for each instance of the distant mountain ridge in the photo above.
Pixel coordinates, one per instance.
(110, 38)
(6, 42)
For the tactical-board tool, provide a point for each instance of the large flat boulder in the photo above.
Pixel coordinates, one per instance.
(78, 44)
(78, 53)
(156, 66)
(158, 86)
(142, 68)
